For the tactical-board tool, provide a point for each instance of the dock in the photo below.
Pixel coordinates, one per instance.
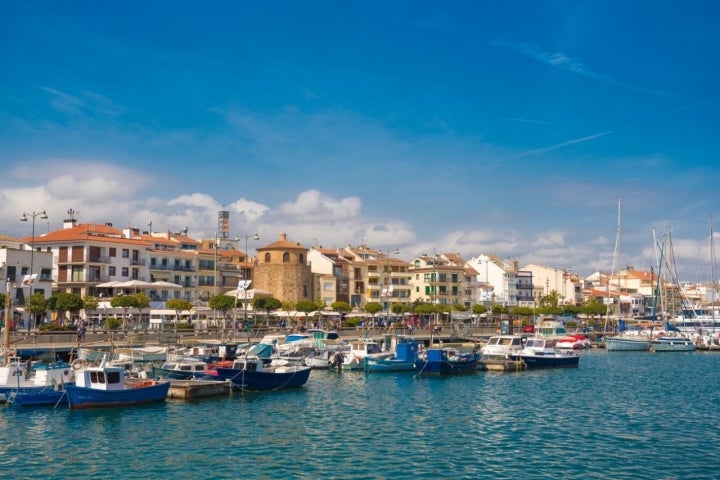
(502, 365)
(194, 389)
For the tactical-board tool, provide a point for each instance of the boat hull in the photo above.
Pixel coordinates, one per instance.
(446, 367)
(388, 365)
(615, 344)
(159, 372)
(550, 361)
(672, 345)
(35, 397)
(264, 380)
(85, 397)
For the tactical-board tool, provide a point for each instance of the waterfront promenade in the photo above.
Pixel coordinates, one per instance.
(64, 343)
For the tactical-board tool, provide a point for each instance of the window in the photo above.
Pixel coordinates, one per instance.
(267, 258)
(113, 251)
(125, 253)
(111, 271)
(286, 257)
(77, 274)
(125, 272)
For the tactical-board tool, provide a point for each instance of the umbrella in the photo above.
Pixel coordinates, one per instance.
(134, 284)
(251, 293)
(164, 284)
(112, 284)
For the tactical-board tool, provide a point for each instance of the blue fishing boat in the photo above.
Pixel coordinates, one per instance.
(406, 354)
(106, 386)
(253, 373)
(18, 377)
(447, 361)
(35, 397)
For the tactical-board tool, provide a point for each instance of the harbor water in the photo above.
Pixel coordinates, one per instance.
(617, 416)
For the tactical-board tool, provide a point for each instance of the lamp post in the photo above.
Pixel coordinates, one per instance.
(24, 218)
(247, 236)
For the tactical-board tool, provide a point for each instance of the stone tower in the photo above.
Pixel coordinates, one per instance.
(282, 269)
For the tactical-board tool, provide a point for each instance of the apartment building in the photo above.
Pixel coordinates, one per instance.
(438, 279)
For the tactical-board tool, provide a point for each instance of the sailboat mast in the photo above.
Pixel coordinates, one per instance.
(713, 284)
(610, 306)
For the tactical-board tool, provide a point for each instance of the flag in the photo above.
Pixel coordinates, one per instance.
(28, 280)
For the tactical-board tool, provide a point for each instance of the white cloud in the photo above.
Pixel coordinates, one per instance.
(311, 204)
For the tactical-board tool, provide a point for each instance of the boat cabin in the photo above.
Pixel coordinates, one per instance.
(502, 346)
(252, 364)
(101, 378)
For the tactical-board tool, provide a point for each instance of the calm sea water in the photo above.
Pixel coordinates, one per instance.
(619, 415)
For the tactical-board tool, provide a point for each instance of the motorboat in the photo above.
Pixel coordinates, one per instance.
(540, 352)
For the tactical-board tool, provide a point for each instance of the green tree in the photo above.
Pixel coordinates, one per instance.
(223, 303)
(268, 304)
(66, 302)
(373, 307)
(479, 309)
(340, 306)
(306, 306)
(90, 304)
(125, 302)
(179, 305)
(142, 302)
(400, 308)
(35, 305)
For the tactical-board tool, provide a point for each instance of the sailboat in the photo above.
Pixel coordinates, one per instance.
(693, 320)
(671, 340)
(626, 340)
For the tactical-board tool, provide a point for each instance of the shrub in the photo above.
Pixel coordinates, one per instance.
(112, 323)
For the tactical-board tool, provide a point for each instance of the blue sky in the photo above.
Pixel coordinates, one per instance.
(506, 128)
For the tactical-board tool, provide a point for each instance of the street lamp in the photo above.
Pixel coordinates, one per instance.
(246, 284)
(24, 218)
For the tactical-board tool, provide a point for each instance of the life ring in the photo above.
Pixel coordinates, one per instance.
(79, 363)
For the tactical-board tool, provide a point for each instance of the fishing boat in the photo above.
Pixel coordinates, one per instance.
(107, 386)
(181, 369)
(446, 361)
(540, 352)
(359, 349)
(29, 397)
(252, 373)
(23, 376)
(45, 385)
(404, 358)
